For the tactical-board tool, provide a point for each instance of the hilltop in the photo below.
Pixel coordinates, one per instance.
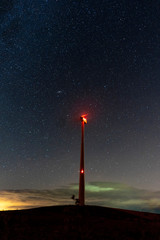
(74, 222)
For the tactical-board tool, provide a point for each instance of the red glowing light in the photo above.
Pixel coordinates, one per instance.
(82, 171)
(83, 118)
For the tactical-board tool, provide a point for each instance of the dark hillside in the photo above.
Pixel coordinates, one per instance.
(73, 222)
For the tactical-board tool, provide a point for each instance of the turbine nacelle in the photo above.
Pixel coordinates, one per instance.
(83, 118)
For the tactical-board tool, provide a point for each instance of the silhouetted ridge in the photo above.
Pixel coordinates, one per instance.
(74, 222)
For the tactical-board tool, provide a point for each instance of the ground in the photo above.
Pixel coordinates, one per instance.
(74, 222)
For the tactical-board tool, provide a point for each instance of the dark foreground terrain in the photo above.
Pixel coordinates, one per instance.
(73, 222)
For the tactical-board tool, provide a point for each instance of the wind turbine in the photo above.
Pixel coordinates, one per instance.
(81, 176)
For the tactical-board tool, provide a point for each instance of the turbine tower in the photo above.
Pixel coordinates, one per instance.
(81, 176)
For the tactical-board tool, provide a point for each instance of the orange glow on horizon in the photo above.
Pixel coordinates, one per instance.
(13, 204)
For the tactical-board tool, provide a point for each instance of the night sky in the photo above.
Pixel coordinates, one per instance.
(60, 59)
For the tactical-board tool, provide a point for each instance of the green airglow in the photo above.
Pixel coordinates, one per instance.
(93, 188)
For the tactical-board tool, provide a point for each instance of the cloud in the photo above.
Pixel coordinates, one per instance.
(108, 194)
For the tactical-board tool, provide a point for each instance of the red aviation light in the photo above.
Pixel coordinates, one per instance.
(84, 119)
(82, 171)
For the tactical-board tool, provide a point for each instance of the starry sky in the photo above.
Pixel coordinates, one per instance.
(62, 58)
